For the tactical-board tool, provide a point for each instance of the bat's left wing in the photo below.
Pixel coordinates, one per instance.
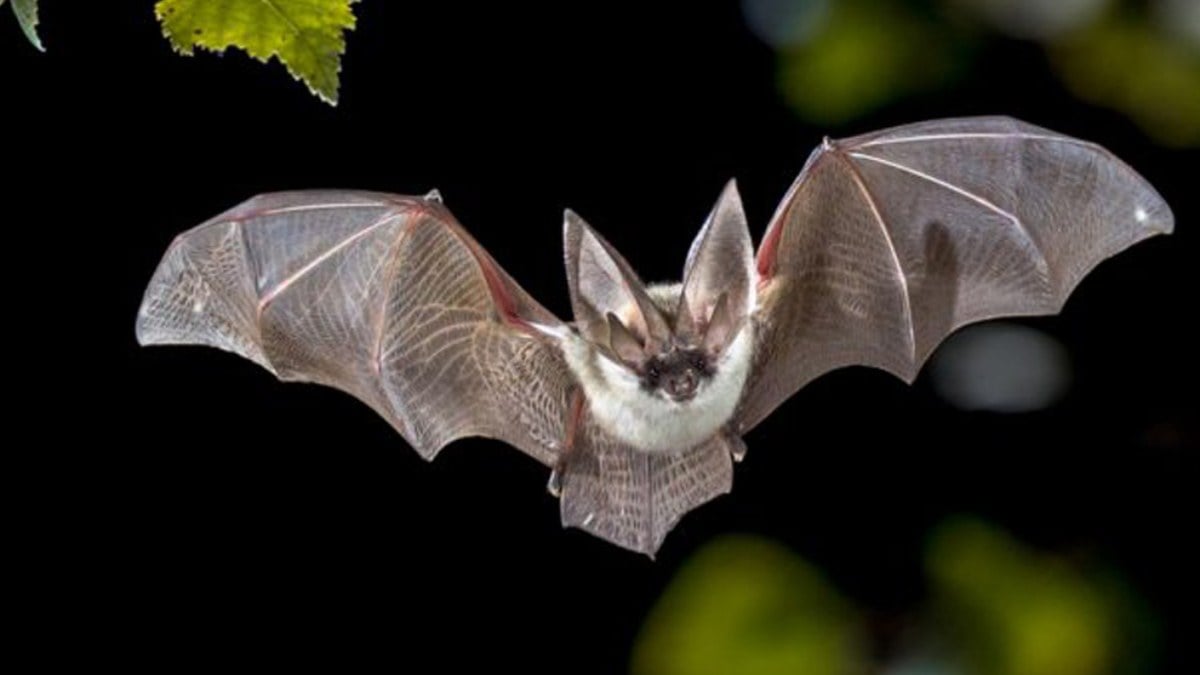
(888, 242)
(382, 296)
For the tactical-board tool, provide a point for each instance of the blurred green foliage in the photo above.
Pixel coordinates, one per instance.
(747, 605)
(1133, 66)
(840, 59)
(864, 55)
(995, 606)
(1015, 612)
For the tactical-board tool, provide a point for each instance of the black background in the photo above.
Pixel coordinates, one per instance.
(206, 513)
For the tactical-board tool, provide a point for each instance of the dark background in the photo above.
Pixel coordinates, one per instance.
(203, 512)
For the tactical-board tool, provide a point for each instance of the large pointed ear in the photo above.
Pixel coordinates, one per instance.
(719, 274)
(602, 283)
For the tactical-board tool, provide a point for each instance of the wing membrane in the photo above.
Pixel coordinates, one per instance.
(889, 241)
(381, 296)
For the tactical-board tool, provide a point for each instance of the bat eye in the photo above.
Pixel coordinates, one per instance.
(653, 371)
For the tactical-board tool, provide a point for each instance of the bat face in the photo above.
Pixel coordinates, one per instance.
(675, 375)
(674, 369)
(663, 366)
(669, 394)
(885, 244)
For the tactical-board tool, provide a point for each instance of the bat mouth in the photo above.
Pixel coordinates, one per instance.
(682, 387)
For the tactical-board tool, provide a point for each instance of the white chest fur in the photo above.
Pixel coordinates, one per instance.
(647, 421)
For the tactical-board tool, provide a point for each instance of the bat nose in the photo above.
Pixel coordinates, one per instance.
(683, 385)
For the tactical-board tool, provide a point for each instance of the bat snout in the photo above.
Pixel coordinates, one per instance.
(682, 386)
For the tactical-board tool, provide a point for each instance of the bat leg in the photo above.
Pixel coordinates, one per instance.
(554, 485)
(734, 444)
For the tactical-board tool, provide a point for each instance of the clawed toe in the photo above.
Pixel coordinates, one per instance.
(736, 446)
(554, 485)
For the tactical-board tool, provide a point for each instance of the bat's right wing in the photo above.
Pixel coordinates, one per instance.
(384, 297)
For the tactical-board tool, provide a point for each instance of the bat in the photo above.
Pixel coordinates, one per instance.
(884, 244)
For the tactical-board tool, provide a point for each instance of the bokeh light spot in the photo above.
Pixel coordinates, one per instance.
(1001, 367)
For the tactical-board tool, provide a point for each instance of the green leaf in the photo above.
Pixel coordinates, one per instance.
(307, 36)
(27, 16)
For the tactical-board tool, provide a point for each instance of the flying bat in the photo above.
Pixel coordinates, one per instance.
(884, 245)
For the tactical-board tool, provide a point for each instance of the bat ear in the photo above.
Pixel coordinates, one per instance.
(719, 274)
(722, 326)
(602, 283)
(622, 343)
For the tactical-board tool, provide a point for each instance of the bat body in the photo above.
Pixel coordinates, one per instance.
(885, 244)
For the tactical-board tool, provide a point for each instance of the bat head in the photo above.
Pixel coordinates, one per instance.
(670, 336)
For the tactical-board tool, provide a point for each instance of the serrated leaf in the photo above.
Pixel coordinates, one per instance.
(27, 17)
(307, 36)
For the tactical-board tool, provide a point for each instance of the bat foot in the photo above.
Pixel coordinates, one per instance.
(736, 447)
(554, 485)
